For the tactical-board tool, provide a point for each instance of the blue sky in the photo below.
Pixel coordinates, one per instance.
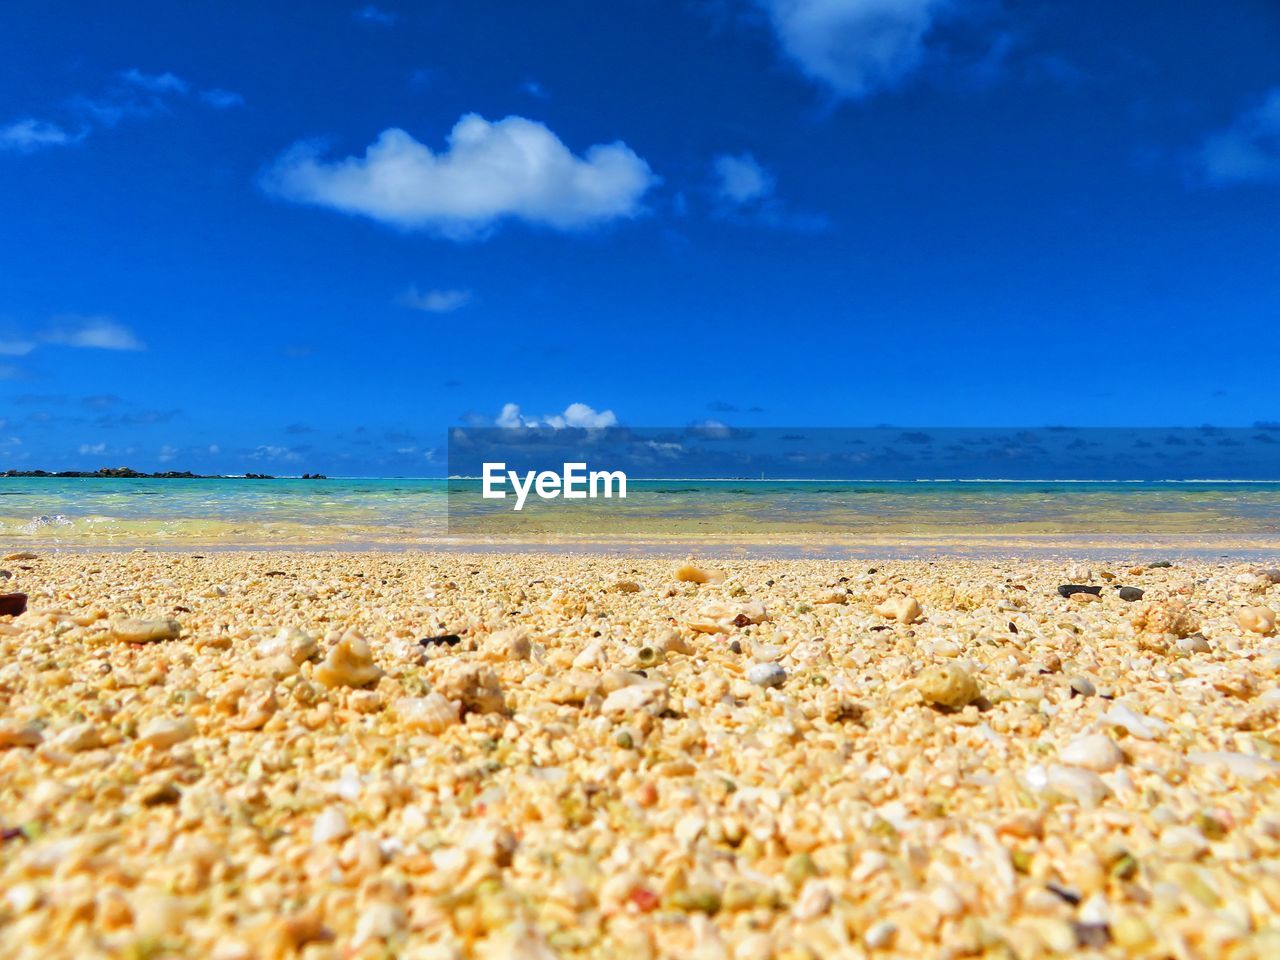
(283, 237)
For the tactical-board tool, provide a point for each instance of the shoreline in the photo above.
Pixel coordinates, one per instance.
(901, 548)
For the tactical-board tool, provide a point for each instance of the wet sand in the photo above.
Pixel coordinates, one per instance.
(242, 755)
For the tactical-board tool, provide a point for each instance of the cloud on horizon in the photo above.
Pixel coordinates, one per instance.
(855, 48)
(511, 169)
(1248, 151)
(577, 415)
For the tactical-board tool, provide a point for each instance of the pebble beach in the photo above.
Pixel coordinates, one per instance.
(530, 755)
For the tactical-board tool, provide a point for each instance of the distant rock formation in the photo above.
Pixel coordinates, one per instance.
(128, 473)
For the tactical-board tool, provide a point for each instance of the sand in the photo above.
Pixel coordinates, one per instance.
(254, 755)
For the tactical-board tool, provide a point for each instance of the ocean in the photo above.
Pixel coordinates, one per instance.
(356, 513)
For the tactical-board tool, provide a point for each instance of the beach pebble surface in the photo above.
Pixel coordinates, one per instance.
(771, 757)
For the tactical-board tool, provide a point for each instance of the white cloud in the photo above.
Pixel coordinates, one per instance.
(435, 301)
(511, 169)
(96, 333)
(374, 14)
(93, 449)
(30, 135)
(741, 180)
(575, 415)
(744, 192)
(854, 47)
(711, 428)
(1249, 150)
(155, 82)
(92, 333)
(167, 453)
(134, 94)
(16, 348)
(268, 452)
(665, 448)
(222, 99)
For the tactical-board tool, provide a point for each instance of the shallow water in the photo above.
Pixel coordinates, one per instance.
(400, 512)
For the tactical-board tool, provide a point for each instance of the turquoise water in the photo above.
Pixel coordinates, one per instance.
(350, 512)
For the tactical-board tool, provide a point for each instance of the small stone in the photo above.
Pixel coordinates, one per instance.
(433, 713)
(329, 826)
(1131, 594)
(1196, 643)
(476, 688)
(1085, 786)
(444, 640)
(721, 617)
(1096, 752)
(592, 655)
(133, 630)
(257, 708)
(1135, 724)
(880, 935)
(902, 608)
(691, 574)
(1159, 565)
(1243, 765)
(14, 733)
(650, 697)
(767, 675)
(672, 642)
(12, 604)
(378, 923)
(1183, 842)
(630, 586)
(1257, 620)
(1172, 617)
(164, 732)
(158, 794)
(23, 555)
(349, 664)
(1083, 686)
(80, 736)
(278, 667)
(947, 901)
(815, 899)
(511, 644)
(948, 685)
(1254, 582)
(1091, 936)
(1068, 589)
(297, 645)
